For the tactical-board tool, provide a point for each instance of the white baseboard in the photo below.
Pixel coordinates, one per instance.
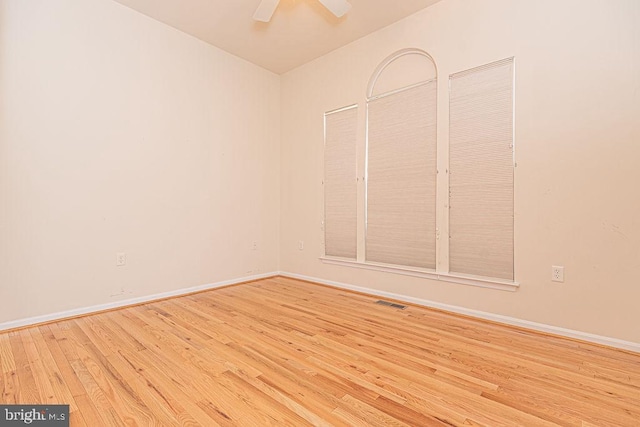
(20, 323)
(541, 327)
(584, 336)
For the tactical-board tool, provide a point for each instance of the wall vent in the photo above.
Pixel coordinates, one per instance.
(391, 304)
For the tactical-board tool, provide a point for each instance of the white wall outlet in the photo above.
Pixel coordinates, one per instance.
(300, 245)
(121, 259)
(557, 273)
(254, 245)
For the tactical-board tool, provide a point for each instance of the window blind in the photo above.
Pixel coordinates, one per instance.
(340, 190)
(481, 212)
(401, 177)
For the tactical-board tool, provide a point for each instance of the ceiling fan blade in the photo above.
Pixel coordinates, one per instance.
(265, 10)
(337, 7)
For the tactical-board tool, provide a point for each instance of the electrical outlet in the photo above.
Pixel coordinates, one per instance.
(301, 245)
(121, 259)
(254, 245)
(557, 273)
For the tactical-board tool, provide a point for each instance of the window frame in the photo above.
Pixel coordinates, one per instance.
(441, 271)
(324, 189)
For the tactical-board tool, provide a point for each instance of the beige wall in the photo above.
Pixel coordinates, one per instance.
(121, 134)
(577, 139)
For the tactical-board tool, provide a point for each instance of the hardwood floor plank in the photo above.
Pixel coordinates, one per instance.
(66, 340)
(27, 390)
(87, 411)
(95, 398)
(166, 407)
(7, 364)
(76, 419)
(52, 386)
(10, 388)
(284, 352)
(114, 387)
(368, 415)
(65, 370)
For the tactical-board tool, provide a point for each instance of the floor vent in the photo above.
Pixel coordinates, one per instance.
(391, 304)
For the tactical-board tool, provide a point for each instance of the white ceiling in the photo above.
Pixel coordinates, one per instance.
(300, 30)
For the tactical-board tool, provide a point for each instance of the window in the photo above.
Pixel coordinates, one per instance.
(401, 177)
(340, 190)
(400, 166)
(481, 171)
(410, 206)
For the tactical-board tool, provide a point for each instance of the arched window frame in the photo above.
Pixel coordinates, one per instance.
(379, 249)
(442, 268)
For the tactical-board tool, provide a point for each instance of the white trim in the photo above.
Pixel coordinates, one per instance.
(402, 89)
(541, 327)
(389, 59)
(483, 282)
(20, 323)
(584, 336)
(482, 67)
(341, 109)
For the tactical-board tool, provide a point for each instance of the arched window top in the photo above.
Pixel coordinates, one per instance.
(402, 69)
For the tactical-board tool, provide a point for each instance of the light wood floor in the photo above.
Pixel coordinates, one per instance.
(283, 352)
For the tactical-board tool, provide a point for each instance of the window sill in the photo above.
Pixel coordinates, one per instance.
(483, 282)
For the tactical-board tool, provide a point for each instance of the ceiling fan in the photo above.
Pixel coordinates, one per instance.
(267, 7)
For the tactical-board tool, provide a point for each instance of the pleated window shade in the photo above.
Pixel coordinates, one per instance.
(481, 164)
(401, 185)
(340, 190)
